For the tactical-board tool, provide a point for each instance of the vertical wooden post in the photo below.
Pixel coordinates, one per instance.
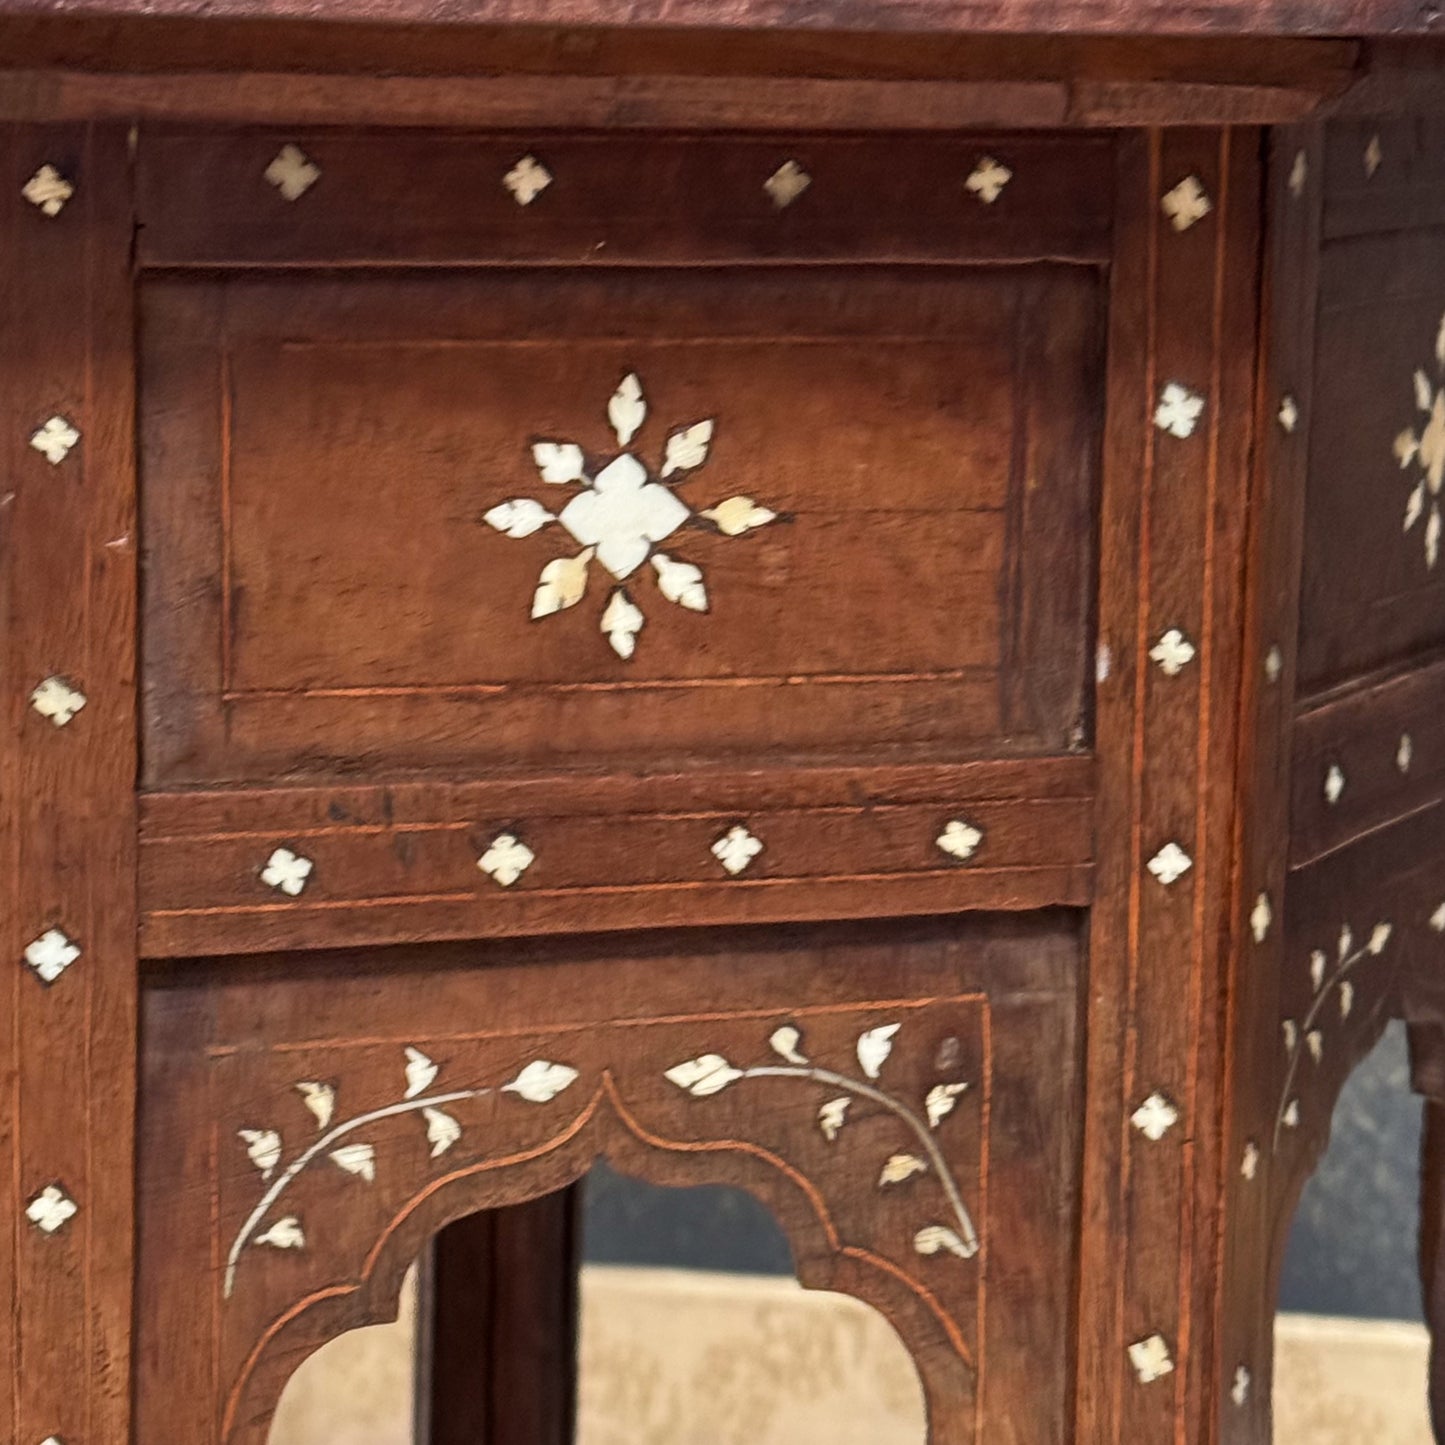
(67, 783)
(1181, 394)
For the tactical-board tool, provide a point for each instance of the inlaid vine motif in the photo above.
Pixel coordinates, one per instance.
(1423, 447)
(338, 1143)
(621, 512)
(1332, 998)
(917, 1151)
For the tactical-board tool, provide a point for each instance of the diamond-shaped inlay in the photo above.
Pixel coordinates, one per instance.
(50, 1209)
(988, 180)
(1151, 1359)
(787, 183)
(287, 871)
(736, 849)
(1261, 917)
(1155, 1117)
(506, 859)
(527, 180)
(56, 699)
(1170, 863)
(293, 172)
(51, 954)
(48, 189)
(1187, 204)
(54, 440)
(1178, 411)
(959, 839)
(1334, 784)
(1173, 652)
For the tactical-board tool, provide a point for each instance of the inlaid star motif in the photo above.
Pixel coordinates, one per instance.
(287, 872)
(48, 189)
(57, 699)
(1151, 1359)
(1425, 447)
(1178, 411)
(50, 1209)
(54, 440)
(988, 179)
(506, 859)
(292, 172)
(527, 180)
(620, 515)
(51, 954)
(1173, 652)
(786, 184)
(1170, 864)
(1155, 1117)
(736, 849)
(1187, 204)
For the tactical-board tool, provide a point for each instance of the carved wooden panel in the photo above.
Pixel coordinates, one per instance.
(903, 1096)
(627, 516)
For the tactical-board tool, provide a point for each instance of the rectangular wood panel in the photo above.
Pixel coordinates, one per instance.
(326, 594)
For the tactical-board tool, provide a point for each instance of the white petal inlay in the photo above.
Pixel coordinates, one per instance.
(1151, 1360)
(1173, 652)
(988, 180)
(1155, 1117)
(1170, 863)
(54, 440)
(786, 184)
(1249, 1160)
(1187, 204)
(292, 172)
(1178, 411)
(527, 180)
(51, 954)
(506, 859)
(1289, 415)
(287, 872)
(50, 1209)
(56, 699)
(736, 849)
(48, 189)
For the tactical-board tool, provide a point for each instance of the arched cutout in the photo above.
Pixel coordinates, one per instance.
(749, 1358)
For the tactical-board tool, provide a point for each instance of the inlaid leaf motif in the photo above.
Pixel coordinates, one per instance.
(831, 1117)
(1317, 968)
(941, 1101)
(442, 1131)
(1424, 391)
(356, 1159)
(738, 515)
(628, 409)
(1347, 999)
(561, 585)
(704, 1075)
(320, 1099)
(900, 1167)
(785, 1043)
(622, 621)
(1316, 1041)
(680, 582)
(519, 517)
(559, 461)
(1347, 940)
(1437, 919)
(263, 1146)
(874, 1048)
(1379, 937)
(541, 1081)
(420, 1072)
(936, 1239)
(687, 449)
(284, 1234)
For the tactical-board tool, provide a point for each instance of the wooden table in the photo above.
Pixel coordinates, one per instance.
(840, 600)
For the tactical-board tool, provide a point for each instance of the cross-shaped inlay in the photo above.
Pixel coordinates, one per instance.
(51, 954)
(959, 839)
(54, 440)
(287, 871)
(51, 1208)
(736, 849)
(787, 183)
(1187, 204)
(527, 180)
(506, 859)
(1178, 411)
(58, 700)
(1173, 652)
(48, 189)
(1170, 863)
(1151, 1359)
(1155, 1117)
(988, 179)
(293, 172)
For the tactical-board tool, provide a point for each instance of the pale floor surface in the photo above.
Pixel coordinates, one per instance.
(679, 1358)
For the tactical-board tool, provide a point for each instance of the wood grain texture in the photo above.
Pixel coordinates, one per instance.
(1246, 1303)
(67, 811)
(1173, 530)
(990, 1003)
(1106, 17)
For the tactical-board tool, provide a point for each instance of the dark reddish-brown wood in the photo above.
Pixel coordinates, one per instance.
(1098, 463)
